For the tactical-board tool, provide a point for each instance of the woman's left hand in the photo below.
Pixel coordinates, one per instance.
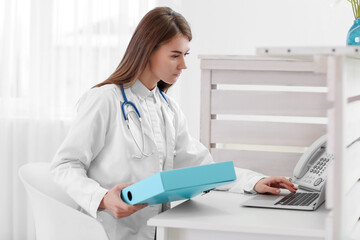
(273, 185)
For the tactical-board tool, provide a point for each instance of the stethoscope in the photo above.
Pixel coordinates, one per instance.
(123, 105)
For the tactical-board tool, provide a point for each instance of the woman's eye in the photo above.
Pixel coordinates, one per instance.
(175, 56)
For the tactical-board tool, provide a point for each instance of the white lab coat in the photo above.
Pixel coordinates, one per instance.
(97, 154)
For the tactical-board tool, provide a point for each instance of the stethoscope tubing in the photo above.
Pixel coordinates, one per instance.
(123, 105)
(126, 101)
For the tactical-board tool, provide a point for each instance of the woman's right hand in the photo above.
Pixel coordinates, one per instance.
(112, 201)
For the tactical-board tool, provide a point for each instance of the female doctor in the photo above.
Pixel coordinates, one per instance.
(127, 129)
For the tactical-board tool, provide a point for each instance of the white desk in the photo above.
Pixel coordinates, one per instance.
(219, 215)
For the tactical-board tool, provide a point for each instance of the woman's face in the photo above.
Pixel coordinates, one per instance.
(167, 62)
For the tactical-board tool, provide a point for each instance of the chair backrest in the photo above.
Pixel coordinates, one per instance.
(56, 214)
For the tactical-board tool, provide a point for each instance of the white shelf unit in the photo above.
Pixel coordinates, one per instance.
(263, 111)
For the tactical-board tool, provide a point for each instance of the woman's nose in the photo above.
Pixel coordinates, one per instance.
(182, 64)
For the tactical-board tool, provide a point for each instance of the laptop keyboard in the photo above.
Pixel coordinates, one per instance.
(298, 199)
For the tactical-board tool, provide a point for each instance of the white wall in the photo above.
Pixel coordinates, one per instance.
(240, 26)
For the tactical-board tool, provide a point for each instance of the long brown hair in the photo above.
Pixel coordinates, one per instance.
(156, 28)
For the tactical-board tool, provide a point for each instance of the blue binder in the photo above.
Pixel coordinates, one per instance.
(179, 184)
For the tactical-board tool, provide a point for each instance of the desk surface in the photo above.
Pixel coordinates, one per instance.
(222, 211)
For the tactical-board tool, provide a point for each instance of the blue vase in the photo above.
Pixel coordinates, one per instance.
(353, 37)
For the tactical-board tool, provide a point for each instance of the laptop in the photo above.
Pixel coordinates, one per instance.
(301, 200)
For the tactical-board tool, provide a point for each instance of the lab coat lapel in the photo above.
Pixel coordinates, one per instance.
(170, 136)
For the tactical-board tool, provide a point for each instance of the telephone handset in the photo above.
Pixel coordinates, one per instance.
(311, 171)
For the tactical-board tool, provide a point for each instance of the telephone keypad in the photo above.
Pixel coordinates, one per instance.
(315, 176)
(321, 164)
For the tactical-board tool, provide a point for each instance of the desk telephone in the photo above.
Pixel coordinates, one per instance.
(310, 172)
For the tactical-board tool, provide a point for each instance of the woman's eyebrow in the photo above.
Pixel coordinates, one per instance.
(179, 52)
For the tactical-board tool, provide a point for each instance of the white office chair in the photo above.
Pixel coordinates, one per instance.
(56, 214)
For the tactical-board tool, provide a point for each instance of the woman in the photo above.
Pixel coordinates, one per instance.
(108, 147)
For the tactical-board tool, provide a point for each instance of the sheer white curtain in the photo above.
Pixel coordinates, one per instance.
(51, 51)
